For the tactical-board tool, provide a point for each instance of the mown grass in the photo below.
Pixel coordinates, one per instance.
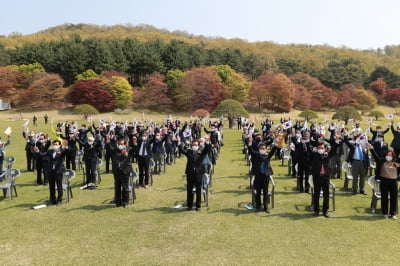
(89, 231)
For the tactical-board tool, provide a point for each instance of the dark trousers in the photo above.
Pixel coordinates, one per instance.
(107, 158)
(90, 166)
(336, 164)
(143, 163)
(321, 183)
(54, 179)
(121, 187)
(303, 172)
(294, 162)
(70, 160)
(358, 170)
(261, 184)
(1, 163)
(40, 168)
(193, 180)
(30, 161)
(389, 188)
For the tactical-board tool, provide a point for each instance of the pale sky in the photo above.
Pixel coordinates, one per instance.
(358, 24)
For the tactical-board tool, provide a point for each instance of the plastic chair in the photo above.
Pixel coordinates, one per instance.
(271, 192)
(376, 192)
(68, 175)
(348, 175)
(133, 179)
(9, 186)
(372, 164)
(205, 182)
(97, 175)
(78, 160)
(152, 165)
(285, 155)
(332, 191)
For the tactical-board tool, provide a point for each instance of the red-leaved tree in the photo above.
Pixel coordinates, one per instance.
(89, 92)
(155, 93)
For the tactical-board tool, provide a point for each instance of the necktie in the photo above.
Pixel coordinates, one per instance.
(304, 147)
(143, 149)
(360, 153)
(322, 172)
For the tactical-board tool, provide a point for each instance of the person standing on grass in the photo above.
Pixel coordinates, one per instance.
(55, 169)
(262, 170)
(194, 170)
(142, 148)
(387, 169)
(321, 172)
(358, 157)
(90, 157)
(43, 145)
(121, 168)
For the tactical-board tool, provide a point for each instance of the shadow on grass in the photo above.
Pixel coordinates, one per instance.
(232, 191)
(106, 205)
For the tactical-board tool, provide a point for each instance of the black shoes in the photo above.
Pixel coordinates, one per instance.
(363, 192)
(198, 209)
(59, 203)
(266, 210)
(326, 215)
(316, 214)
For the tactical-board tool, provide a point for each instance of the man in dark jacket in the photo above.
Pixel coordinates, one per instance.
(55, 170)
(121, 168)
(261, 168)
(194, 170)
(321, 172)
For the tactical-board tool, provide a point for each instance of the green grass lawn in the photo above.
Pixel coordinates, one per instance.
(89, 231)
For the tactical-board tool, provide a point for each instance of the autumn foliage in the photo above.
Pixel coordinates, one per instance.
(90, 92)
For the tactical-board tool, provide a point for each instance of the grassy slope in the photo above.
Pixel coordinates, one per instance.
(89, 231)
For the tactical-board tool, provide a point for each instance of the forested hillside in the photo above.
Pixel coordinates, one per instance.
(168, 70)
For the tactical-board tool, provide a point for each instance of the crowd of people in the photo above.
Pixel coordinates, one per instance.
(119, 145)
(319, 151)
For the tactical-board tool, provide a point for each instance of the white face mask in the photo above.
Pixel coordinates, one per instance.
(379, 139)
(298, 135)
(121, 147)
(262, 152)
(389, 158)
(90, 142)
(321, 151)
(144, 138)
(195, 148)
(56, 147)
(158, 137)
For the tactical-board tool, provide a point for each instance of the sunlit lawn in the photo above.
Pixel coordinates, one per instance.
(89, 231)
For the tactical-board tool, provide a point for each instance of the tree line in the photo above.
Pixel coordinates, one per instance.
(186, 76)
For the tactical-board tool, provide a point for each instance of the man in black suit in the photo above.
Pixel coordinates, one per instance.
(143, 150)
(261, 168)
(377, 132)
(194, 169)
(29, 149)
(336, 153)
(303, 151)
(42, 161)
(90, 157)
(55, 169)
(320, 171)
(396, 138)
(121, 168)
